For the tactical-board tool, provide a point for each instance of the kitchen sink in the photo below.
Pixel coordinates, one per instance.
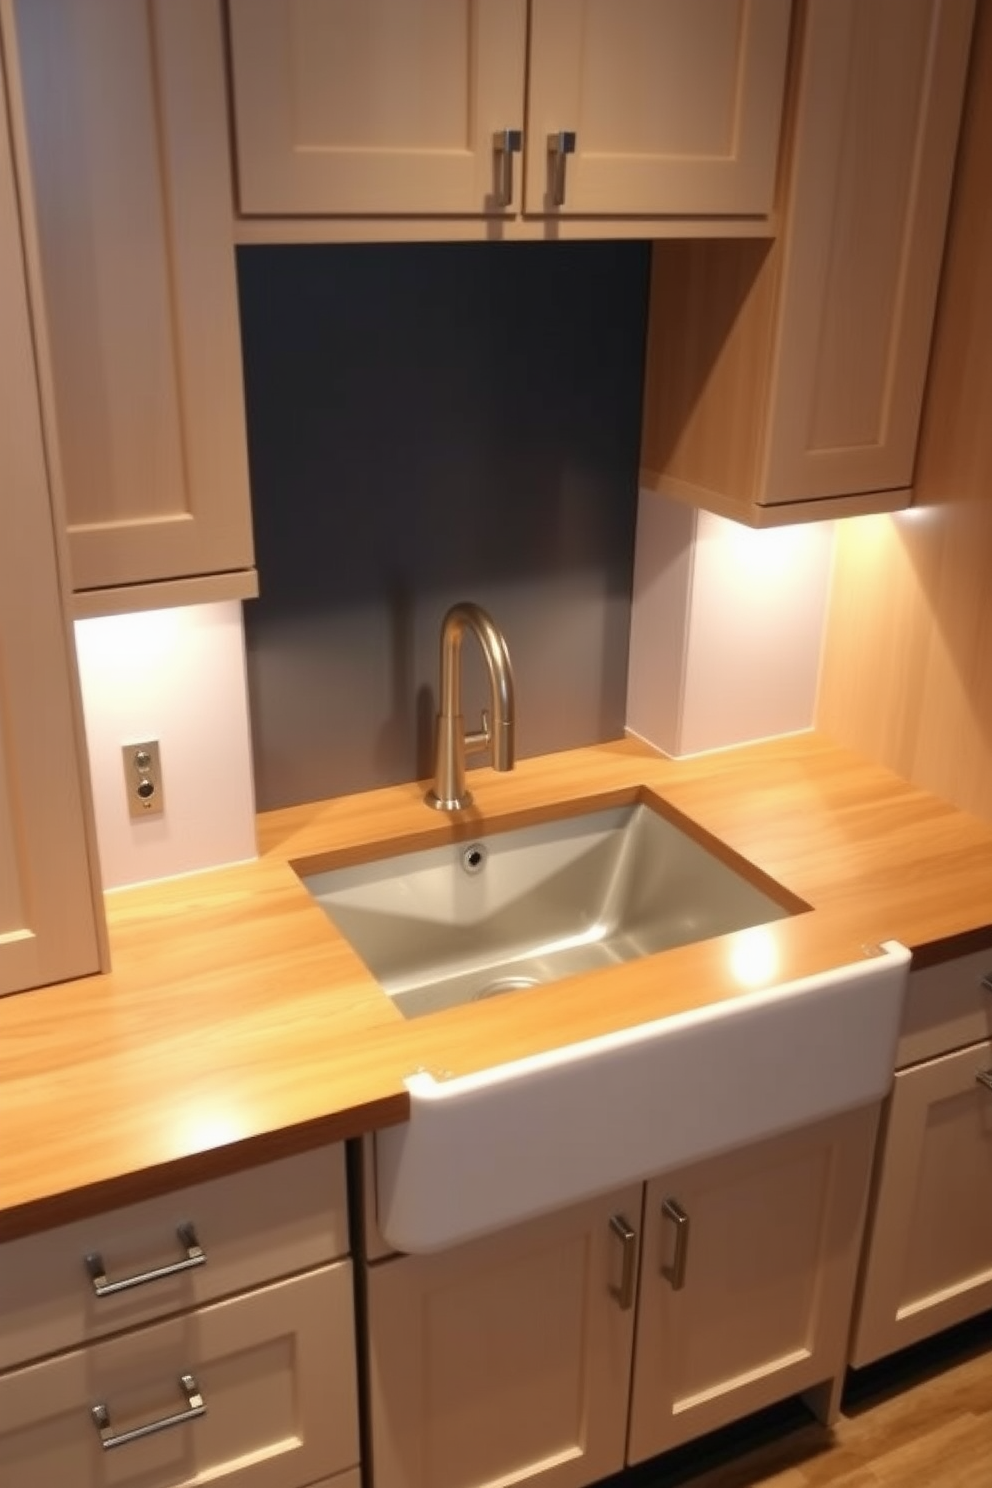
(506, 910)
(509, 910)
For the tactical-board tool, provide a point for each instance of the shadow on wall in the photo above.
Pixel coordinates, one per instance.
(429, 423)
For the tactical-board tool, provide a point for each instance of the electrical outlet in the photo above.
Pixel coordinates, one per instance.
(143, 777)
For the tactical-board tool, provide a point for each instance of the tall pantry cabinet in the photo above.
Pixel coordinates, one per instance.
(48, 916)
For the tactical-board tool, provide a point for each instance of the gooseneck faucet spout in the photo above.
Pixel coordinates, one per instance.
(449, 791)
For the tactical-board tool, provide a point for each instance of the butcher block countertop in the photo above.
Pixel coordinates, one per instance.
(236, 1024)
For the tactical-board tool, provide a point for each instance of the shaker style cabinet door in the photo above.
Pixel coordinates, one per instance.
(668, 107)
(867, 216)
(507, 1358)
(125, 153)
(929, 1260)
(365, 107)
(747, 1274)
(47, 910)
(784, 381)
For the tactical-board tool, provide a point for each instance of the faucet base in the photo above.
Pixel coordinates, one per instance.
(454, 803)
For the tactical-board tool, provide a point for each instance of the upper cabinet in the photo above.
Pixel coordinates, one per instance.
(121, 127)
(48, 907)
(785, 380)
(490, 108)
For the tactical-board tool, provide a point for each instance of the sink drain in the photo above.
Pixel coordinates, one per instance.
(505, 984)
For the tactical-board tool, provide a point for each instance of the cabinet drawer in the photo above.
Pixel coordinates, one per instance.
(265, 1222)
(947, 1006)
(274, 1368)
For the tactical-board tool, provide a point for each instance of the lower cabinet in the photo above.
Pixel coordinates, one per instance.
(929, 1258)
(204, 1335)
(507, 1358)
(513, 1358)
(255, 1391)
(747, 1274)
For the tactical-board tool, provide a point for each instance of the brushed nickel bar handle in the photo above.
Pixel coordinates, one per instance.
(560, 145)
(506, 144)
(195, 1408)
(194, 1256)
(986, 981)
(984, 1077)
(624, 1293)
(675, 1273)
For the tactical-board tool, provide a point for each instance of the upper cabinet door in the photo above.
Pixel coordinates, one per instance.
(880, 94)
(675, 105)
(123, 126)
(377, 106)
(47, 911)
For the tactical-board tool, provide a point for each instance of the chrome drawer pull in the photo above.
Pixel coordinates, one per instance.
(675, 1273)
(506, 144)
(560, 146)
(624, 1293)
(194, 1410)
(986, 981)
(984, 1077)
(194, 1257)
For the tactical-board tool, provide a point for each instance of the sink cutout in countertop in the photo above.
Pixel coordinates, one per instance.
(516, 909)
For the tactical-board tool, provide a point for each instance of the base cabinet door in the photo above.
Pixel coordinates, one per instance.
(747, 1272)
(507, 1358)
(929, 1260)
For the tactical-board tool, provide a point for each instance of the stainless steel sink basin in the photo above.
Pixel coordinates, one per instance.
(511, 910)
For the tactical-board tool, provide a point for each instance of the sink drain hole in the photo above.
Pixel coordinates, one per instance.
(505, 984)
(474, 858)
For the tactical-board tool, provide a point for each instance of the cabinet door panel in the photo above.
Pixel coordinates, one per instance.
(127, 149)
(506, 1357)
(276, 1369)
(930, 1252)
(773, 1242)
(880, 103)
(675, 104)
(373, 106)
(47, 913)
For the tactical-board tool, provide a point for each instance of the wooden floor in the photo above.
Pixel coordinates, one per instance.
(920, 1420)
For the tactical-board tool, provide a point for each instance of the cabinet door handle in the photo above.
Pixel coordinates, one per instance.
(675, 1273)
(194, 1256)
(506, 144)
(624, 1293)
(984, 1077)
(194, 1408)
(560, 145)
(986, 981)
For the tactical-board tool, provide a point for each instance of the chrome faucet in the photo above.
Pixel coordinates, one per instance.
(449, 791)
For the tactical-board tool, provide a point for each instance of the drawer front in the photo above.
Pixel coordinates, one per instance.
(274, 1369)
(252, 1226)
(947, 1006)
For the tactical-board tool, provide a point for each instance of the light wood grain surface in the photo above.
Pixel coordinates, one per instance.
(909, 640)
(237, 1023)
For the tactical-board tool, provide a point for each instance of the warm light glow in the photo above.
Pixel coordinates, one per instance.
(754, 956)
(204, 1129)
(768, 556)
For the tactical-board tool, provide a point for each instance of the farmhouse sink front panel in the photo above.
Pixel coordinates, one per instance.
(488, 1150)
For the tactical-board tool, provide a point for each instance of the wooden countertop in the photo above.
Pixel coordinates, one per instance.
(236, 1023)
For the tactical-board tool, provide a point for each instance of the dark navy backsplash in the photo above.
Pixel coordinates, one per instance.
(427, 423)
